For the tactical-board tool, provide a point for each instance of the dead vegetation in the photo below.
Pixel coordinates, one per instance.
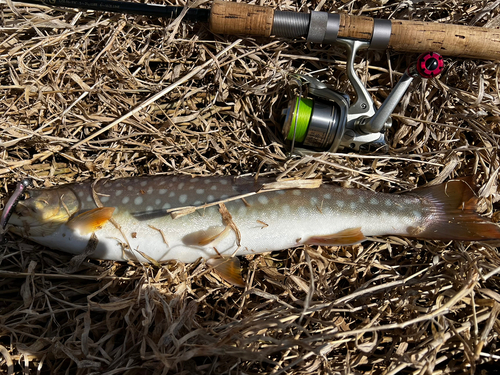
(88, 94)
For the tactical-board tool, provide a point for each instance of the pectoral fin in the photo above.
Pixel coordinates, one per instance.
(228, 268)
(91, 220)
(345, 237)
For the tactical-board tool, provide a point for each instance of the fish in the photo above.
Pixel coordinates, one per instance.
(184, 218)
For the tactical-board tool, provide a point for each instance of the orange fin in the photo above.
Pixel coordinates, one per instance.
(92, 220)
(453, 207)
(228, 268)
(206, 236)
(349, 236)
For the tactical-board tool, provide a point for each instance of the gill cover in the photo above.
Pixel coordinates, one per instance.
(43, 212)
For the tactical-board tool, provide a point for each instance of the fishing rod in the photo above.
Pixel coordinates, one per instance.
(320, 27)
(324, 119)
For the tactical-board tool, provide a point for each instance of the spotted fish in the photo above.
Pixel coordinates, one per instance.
(162, 218)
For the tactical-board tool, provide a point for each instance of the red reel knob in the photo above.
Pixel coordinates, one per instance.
(430, 64)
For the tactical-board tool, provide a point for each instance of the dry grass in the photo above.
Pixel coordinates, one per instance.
(384, 307)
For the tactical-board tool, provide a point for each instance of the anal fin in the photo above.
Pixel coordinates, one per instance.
(92, 220)
(348, 236)
(228, 268)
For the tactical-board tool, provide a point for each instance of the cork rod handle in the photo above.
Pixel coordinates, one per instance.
(446, 39)
(237, 18)
(406, 36)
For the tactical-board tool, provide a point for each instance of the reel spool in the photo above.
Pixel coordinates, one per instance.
(327, 121)
(315, 124)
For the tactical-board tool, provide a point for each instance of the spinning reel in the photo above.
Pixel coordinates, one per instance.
(329, 122)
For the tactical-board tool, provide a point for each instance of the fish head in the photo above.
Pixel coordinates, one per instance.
(43, 212)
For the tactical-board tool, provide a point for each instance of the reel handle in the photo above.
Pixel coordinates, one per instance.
(428, 65)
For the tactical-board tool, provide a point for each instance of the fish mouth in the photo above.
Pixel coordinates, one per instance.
(27, 226)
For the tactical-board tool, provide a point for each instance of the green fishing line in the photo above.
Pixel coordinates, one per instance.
(303, 118)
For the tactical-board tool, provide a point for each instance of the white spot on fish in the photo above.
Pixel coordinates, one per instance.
(280, 192)
(172, 194)
(81, 194)
(353, 205)
(180, 186)
(138, 201)
(130, 188)
(225, 196)
(166, 206)
(162, 182)
(242, 210)
(285, 209)
(417, 214)
(210, 198)
(149, 208)
(214, 187)
(197, 203)
(164, 191)
(144, 183)
(200, 191)
(90, 199)
(118, 192)
(125, 200)
(263, 199)
(174, 179)
(338, 190)
(157, 202)
(327, 196)
(183, 198)
(104, 199)
(374, 201)
(302, 211)
(296, 192)
(223, 182)
(207, 181)
(340, 203)
(388, 202)
(361, 200)
(150, 191)
(314, 201)
(191, 187)
(349, 192)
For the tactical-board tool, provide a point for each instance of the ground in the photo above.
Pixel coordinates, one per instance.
(88, 95)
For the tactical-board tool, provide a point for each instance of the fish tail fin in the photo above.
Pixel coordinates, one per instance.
(454, 213)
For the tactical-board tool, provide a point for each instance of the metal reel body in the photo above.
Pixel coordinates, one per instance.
(328, 122)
